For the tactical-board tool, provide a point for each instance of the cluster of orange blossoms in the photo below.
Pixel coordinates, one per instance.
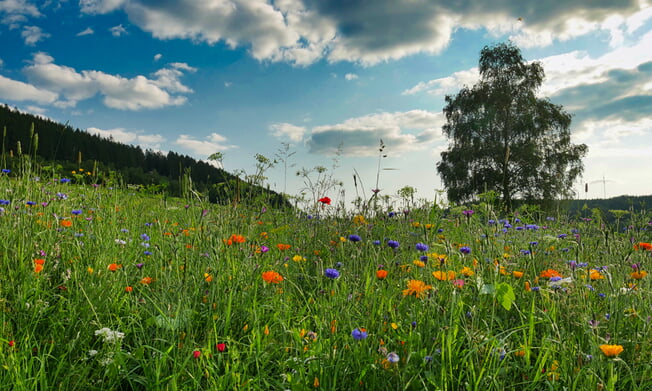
(272, 277)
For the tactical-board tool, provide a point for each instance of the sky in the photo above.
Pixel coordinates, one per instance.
(328, 79)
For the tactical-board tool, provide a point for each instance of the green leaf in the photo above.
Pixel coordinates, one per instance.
(505, 295)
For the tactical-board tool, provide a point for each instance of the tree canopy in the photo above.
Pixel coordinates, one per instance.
(504, 138)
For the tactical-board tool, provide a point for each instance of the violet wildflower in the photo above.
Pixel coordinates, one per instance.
(355, 238)
(359, 334)
(421, 247)
(393, 357)
(393, 244)
(465, 250)
(331, 273)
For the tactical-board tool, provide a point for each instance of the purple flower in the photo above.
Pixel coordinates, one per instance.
(331, 273)
(355, 238)
(465, 250)
(147, 253)
(76, 211)
(359, 334)
(421, 247)
(4, 202)
(393, 243)
(140, 265)
(264, 249)
(64, 180)
(144, 237)
(468, 213)
(393, 357)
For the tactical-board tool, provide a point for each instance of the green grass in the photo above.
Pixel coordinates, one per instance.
(195, 313)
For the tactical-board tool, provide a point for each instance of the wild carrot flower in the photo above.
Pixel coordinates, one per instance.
(611, 350)
(416, 288)
(272, 277)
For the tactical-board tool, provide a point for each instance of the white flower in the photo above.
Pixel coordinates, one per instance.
(91, 353)
(109, 335)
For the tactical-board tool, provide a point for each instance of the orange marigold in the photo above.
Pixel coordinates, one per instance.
(114, 266)
(517, 274)
(637, 275)
(416, 288)
(381, 274)
(272, 277)
(643, 246)
(444, 276)
(611, 350)
(467, 271)
(65, 223)
(146, 280)
(595, 275)
(549, 273)
(235, 239)
(283, 247)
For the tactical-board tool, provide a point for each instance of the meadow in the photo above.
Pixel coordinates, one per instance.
(106, 288)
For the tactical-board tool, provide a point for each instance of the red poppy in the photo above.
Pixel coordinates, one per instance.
(325, 200)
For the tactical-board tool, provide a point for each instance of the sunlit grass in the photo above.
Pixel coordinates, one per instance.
(107, 289)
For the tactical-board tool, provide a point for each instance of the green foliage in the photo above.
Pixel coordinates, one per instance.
(506, 139)
(105, 288)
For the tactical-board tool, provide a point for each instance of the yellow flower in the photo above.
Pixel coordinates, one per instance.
(611, 350)
(595, 275)
(418, 263)
(416, 288)
(444, 276)
(359, 220)
(467, 271)
(517, 274)
(637, 275)
(298, 258)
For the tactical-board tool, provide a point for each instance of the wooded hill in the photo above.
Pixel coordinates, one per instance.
(65, 150)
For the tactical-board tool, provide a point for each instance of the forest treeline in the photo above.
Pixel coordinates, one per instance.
(66, 150)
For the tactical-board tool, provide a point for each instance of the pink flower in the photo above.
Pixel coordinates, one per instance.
(196, 354)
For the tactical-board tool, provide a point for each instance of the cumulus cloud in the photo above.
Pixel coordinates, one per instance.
(146, 141)
(305, 31)
(350, 76)
(206, 147)
(15, 12)
(69, 86)
(18, 91)
(293, 132)
(118, 31)
(400, 131)
(33, 34)
(157, 56)
(87, 31)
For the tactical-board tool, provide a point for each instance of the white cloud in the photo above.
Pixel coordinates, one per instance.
(18, 91)
(157, 56)
(118, 31)
(400, 131)
(282, 130)
(213, 143)
(146, 141)
(87, 31)
(139, 92)
(446, 85)
(350, 76)
(100, 6)
(305, 31)
(33, 34)
(14, 12)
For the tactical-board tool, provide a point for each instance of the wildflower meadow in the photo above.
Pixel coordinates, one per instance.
(105, 288)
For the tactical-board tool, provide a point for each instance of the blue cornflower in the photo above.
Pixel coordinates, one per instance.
(423, 258)
(64, 180)
(6, 171)
(492, 222)
(465, 250)
(147, 253)
(376, 242)
(393, 357)
(525, 252)
(331, 273)
(355, 238)
(144, 237)
(421, 247)
(393, 243)
(534, 243)
(561, 236)
(31, 203)
(4, 202)
(359, 334)
(338, 265)
(76, 211)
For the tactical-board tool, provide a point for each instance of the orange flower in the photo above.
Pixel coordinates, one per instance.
(381, 274)
(416, 288)
(637, 275)
(146, 280)
(283, 247)
(113, 267)
(65, 223)
(517, 274)
(595, 275)
(549, 273)
(467, 271)
(611, 350)
(643, 246)
(129, 289)
(444, 276)
(235, 239)
(208, 277)
(38, 265)
(272, 277)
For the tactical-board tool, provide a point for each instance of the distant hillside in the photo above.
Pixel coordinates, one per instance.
(66, 150)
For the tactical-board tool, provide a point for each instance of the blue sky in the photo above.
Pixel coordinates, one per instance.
(242, 77)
